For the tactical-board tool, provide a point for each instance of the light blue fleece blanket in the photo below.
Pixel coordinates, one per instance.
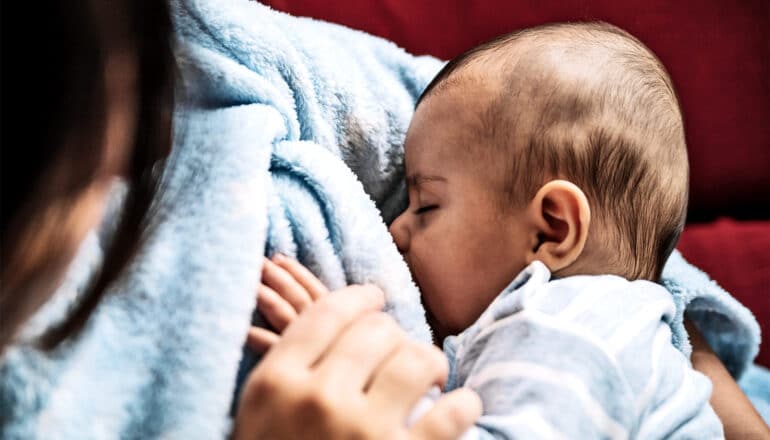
(289, 137)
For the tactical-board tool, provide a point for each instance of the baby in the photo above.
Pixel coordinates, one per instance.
(554, 157)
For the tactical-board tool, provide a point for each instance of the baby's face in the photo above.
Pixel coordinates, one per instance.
(461, 249)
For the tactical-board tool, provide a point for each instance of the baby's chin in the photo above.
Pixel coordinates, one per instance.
(438, 331)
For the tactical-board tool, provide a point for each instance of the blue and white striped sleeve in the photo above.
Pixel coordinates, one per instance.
(588, 358)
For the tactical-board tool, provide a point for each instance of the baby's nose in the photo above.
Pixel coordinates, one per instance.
(400, 232)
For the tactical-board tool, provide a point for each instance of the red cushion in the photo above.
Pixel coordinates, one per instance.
(737, 256)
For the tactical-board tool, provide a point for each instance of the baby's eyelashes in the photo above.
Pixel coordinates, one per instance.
(424, 209)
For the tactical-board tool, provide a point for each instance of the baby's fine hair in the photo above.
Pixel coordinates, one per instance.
(588, 103)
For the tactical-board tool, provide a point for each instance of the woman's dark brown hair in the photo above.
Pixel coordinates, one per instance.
(54, 114)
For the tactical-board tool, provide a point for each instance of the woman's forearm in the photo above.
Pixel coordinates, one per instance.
(740, 419)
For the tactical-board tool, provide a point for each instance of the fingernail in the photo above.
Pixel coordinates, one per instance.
(278, 257)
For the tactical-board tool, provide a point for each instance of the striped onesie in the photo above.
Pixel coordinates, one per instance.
(580, 357)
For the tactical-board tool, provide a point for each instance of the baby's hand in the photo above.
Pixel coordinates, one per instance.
(287, 289)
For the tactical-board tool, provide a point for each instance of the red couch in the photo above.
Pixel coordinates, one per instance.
(718, 54)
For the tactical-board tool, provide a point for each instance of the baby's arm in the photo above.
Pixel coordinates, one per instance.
(287, 289)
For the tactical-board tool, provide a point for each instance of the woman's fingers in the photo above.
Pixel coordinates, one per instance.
(302, 275)
(281, 281)
(278, 312)
(260, 340)
(450, 417)
(406, 376)
(366, 344)
(302, 377)
(312, 334)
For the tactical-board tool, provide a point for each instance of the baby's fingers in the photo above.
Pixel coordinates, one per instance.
(278, 312)
(302, 275)
(284, 283)
(260, 340)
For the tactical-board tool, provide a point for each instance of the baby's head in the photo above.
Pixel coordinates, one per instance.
(562, 143)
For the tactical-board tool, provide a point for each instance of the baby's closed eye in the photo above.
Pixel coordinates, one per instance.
(424, 209)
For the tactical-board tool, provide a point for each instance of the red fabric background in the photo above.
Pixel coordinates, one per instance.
(718, 54)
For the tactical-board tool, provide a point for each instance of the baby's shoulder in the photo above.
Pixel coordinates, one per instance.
(595, 307)
(597, 295)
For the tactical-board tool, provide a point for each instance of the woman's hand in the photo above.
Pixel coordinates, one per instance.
(342, 369)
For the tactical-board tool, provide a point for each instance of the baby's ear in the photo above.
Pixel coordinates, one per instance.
(559, 215)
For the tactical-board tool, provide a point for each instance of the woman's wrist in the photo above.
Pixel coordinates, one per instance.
(734, 409)
(698, 342)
